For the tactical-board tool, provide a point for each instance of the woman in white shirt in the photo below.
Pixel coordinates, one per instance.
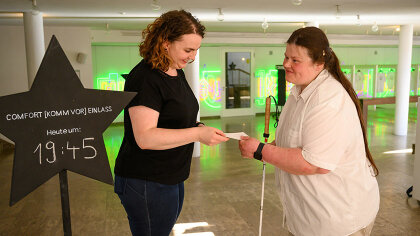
(325, 173)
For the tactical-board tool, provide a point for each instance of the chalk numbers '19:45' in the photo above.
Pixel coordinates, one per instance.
(51, 149)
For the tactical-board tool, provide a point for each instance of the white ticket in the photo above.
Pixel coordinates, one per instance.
(236, 135)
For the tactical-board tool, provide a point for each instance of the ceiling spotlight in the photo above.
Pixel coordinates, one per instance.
(264, 25)
(375, 27)
(358, 23)
(337, 12)
(296, 2)
(155, 5)
(220, 16)
(34, 9)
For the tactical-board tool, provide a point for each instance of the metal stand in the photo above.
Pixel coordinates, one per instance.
(65, 203)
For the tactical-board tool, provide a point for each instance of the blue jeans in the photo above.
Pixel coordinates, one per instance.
(152, 208)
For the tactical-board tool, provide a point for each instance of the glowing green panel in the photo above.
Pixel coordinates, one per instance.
(363, 84)
(113, 81)
(385, 82)
(210, 89)
(266, 85)
(346, 71)
(413, 82)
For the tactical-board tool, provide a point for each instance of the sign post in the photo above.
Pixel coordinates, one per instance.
(57, 126)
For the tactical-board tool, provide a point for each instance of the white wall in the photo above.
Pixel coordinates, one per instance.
(13, 76)
(113, 59)
(74, 40)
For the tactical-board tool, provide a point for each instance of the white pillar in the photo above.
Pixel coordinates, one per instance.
(34, 43)
(402, 92)
(192, 73)
(313, 23)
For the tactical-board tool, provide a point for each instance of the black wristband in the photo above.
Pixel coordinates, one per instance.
(258, 152)
(199, 123)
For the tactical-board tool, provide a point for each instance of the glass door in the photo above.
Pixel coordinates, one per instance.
(238, 74)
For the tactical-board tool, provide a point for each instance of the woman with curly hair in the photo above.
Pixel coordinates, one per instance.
(160, 126)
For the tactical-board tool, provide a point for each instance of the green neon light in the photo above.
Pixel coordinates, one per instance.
(266, 85)
(387, 84)
(211, 89)
(386, 70)
(364, 82)
(346, 71)
(114, 82)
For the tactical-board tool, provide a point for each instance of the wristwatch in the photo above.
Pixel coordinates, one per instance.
(258, 153)
(199, 123)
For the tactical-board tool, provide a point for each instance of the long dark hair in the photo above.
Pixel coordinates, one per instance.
(316, 42)
(170, 26)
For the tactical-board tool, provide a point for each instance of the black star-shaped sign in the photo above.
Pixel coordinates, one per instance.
(58, 125)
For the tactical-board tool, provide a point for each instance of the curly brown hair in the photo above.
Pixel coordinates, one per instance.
(170, 26)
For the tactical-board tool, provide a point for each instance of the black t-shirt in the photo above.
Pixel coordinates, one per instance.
(173, 98)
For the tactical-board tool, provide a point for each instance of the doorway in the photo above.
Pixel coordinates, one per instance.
(238, 74)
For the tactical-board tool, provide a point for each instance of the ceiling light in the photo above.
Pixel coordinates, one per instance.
(155, 5)
(375, 27)
(296, 2)
(398, 29)
(358, 23)
(34, 9)
(264, 25)
(338, 12)
(220, 16)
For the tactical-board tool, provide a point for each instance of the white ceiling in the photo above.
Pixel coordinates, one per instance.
(239, 15)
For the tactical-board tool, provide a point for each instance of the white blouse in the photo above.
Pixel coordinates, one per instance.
(323, 122)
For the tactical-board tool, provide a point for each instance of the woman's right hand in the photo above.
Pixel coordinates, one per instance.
(211, 136)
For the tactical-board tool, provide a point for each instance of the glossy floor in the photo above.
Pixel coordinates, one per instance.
(222, 194)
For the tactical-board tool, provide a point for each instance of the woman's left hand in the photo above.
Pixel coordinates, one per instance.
(248, 146)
